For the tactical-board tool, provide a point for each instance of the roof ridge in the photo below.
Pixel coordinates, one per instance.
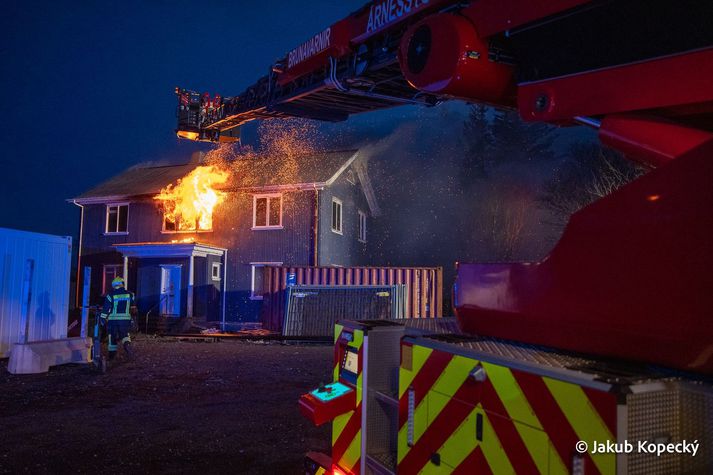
(137, 181)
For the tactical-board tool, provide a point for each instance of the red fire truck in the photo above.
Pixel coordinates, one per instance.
(598, 358)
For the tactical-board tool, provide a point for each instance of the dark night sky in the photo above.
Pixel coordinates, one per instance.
(87, 86)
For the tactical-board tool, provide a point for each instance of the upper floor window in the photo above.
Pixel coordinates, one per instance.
(337, 215)
(267, 211)
(117, 218)
(177, 222)
(362, 226)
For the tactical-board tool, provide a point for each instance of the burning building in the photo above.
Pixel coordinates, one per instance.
(191, 240)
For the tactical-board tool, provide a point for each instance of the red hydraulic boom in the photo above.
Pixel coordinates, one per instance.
(632, 275)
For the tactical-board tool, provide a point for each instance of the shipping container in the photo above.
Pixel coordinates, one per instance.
(34, 287)
(423, 293)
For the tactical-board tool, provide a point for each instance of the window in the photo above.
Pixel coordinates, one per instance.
(362, 226)
(169, 225)
(336, 215)
(117, 219)
(110, 273)
(256, 288)
(215, 271)
(267, 211)
(177, 224)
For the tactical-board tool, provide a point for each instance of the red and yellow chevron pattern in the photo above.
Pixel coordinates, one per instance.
(513, 422)
(346, 429)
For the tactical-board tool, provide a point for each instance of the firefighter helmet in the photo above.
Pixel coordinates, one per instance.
(117, 282)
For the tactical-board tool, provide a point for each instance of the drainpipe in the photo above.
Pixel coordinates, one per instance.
(79, 252)
(225, 288)
(189, 300)
(126, 272)
(315, 259)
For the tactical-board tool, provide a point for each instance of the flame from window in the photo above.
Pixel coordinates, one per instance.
(188, 205)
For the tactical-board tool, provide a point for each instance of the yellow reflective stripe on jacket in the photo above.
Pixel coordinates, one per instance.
(119, 301)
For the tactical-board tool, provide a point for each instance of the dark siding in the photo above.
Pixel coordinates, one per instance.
(144, 225)
(201, 281)
(343, 249)
(232, 230)
(232, 223)
(208, 291)
(290, 245)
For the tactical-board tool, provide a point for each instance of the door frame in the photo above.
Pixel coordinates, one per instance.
(166, 272)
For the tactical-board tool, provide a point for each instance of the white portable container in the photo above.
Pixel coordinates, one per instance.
(34, 287)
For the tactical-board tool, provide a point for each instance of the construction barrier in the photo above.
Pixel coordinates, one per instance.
(423, 287)
(313, 310)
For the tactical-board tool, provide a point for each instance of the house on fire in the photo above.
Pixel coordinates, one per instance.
(306, 211)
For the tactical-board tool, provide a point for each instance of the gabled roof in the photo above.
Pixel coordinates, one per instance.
(136, 181)
(319, 168)
(307, 171)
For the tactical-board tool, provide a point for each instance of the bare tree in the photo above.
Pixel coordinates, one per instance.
(589, 173)
(503, 220)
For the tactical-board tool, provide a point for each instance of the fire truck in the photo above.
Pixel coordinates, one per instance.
(597, 359)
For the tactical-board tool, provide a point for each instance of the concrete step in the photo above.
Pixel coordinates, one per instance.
(38, 356)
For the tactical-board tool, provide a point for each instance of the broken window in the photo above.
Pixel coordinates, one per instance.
(169, 224)
(267, 211)
(179, 223)
(256, 279)
(117, 218)
(337, 215)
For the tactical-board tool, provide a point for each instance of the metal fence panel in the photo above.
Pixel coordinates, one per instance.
(422, 295)
(312, 310)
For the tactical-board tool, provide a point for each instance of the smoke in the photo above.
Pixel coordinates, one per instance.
(436, 211)
(414, 173)
(451, 188)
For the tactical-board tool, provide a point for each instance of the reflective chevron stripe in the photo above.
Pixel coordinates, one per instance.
(584, 419)
(346, 429)
(513, 422)
(518, 409)
(337, 333)
(462, 444)
(447, 381)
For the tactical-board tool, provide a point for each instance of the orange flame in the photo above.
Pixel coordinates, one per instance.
(190, 203)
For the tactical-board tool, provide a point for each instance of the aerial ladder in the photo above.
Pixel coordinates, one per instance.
(607, 340)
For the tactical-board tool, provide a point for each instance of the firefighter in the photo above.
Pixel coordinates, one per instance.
(116, 317)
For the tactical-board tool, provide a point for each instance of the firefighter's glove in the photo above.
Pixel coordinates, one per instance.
(103, 320)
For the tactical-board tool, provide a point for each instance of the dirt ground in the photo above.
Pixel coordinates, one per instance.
(176, 407)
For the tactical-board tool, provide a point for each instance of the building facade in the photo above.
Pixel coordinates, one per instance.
(306, 211)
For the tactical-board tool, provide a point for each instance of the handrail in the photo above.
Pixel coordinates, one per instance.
(146, 322)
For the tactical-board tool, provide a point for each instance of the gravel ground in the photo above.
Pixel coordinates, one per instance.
(176, 407)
